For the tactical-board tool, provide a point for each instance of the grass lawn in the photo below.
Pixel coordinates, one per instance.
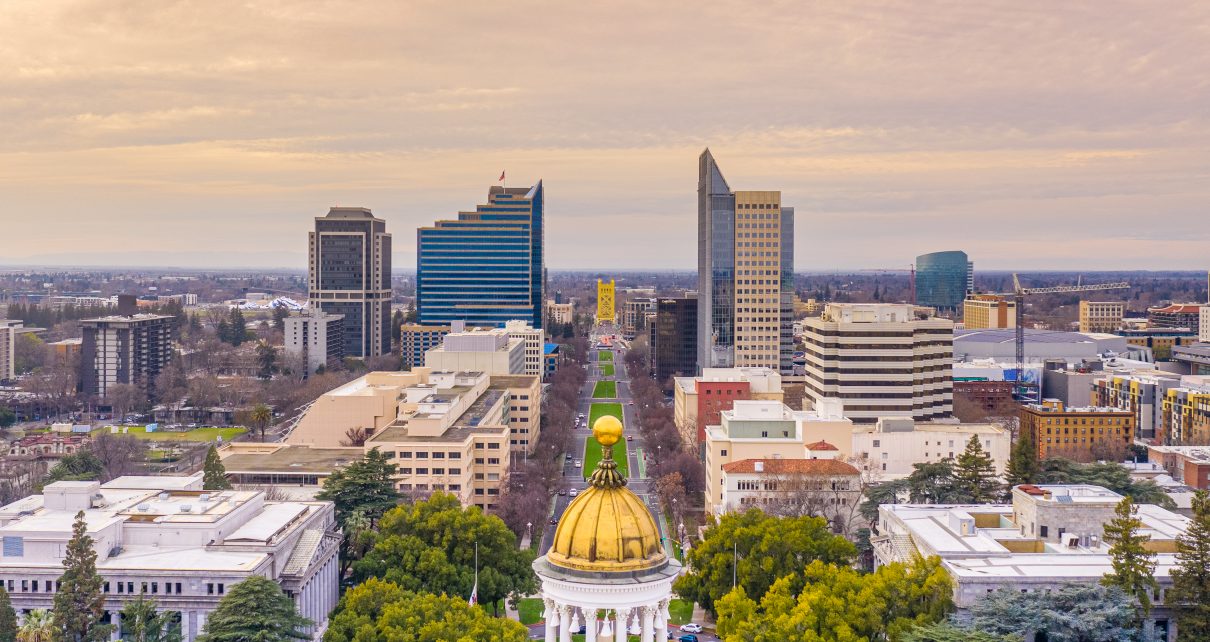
(604, 355)
(197, 434)
(592, 449)
(606, 369)
(605, 390)
(680, 612)
(529, 610)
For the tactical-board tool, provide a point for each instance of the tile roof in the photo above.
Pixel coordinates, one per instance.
(797, 466)
(821, 445)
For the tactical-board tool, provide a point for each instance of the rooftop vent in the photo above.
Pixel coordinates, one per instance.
(144, 508)
(163, 497)
(204, 497)
(186, 508)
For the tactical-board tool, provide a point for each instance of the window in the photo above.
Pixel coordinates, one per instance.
(438, 455)
(405, 454)
(420, 455)
(493, 461)
(493, 446)
(1042, 531)
(455, 471)
(405, 471)
(422, 471)
(14, 546)
(455, 455)
(877, 443)
(438, 471)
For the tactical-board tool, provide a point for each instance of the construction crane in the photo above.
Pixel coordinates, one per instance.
(1019, 294)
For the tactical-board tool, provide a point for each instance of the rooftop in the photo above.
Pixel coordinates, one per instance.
(791, 467)
(287, 459)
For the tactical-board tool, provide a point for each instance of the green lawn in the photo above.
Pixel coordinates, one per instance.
(604, 355)
(197, 434)
(680, 612)
(605, 390)
(592, 449)
(606, 369)
(529, 610)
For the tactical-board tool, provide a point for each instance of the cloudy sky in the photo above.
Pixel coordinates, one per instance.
(210, 132)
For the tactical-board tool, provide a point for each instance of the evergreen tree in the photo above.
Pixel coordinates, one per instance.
(1022, 467)
(1190, 592)
(237, 327)
(279, 317)
(362, 492)
(266, 357)
(975, 475)
(142, 622)
(214, 474)
(255, 609)
(8, 618)
(1133, 565)
(79, 603)
(384, 611)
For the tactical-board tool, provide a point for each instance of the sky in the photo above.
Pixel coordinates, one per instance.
(210, 133)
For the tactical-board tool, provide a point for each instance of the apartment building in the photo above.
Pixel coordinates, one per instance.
(8, 348)
(1203, 333)
(1186, 412)
(983, 311)
(1080, 434)
(349, 273)
(166, 539)
(315, 338)
(891, 446)
(1101, 316)
(881, 360)
(745, 275)
(124, 349)
(1142, 394)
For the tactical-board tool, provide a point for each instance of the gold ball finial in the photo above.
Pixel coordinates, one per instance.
(607, 430)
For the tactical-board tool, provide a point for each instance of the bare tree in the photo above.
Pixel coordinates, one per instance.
(119, 454)
(125, 397)
(355, 436)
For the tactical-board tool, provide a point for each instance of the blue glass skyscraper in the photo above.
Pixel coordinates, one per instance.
(942, 280)
(487, 266)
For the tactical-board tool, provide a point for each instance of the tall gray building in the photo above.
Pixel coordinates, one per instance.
(125, 348)
(350, 275)
(745, 272)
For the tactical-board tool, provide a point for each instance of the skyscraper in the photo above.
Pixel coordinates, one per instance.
(745, 272)
(350, 275)
(942, 280)
(487, 266)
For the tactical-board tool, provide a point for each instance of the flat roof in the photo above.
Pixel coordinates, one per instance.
(292, 459)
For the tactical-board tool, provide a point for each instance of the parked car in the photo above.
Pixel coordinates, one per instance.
(691, 628)
(687, 638)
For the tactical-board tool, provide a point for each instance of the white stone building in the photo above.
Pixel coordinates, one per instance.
(891, 446)
(168, 539)
(315, 337)
(533, 339)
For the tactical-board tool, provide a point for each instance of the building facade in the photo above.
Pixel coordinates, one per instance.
(606, 307)
(8, 348)
(124, 350)
(1079, 434)
(982, 311)
(316, 338)
(488, 266)
(1203, 333)
(942, 279)
(533, 339)
(1160, 341)
(881, 360)
(166, 538)
(673, 338)
(893, 445)
(634, 315)
(478, 350)
(1177, 315)
(1101, 316)
(561, 313)
(1141, 394)
(745, 275)
(415, 340)
(821, 487)
(699, 401)
(350, 275)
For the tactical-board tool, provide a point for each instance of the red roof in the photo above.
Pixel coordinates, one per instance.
(1184, 308)
(821, 445)
(795, 466)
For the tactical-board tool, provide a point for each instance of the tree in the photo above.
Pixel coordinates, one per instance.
(975, 475)
(1075, 613)
(1190, 592)
(123, 398)
(119, 454)
(79, 603)
(1109, 475)
(1133, 565)
(7, 417)
(380, 610)
(757, 550)
(279, 317)
(78, 466)
(266, 358)
(8, 618)
(933, 483)
(429, 546)
(364, 488)
(142, 622)
(214, 474)
(1022, 467)
(255, 609)
(39, 626)
(260, 417)
(953, 632)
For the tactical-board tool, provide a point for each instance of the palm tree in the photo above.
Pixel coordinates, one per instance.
(38, 626)
(261, 416)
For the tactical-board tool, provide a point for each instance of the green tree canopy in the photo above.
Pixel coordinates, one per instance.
(142, 622)
(214, 474)
(949, 631)
(79, 603)
(1076, 613)
(1190, 592)
(7, 417)
(362, 491)
(82, 465)
(975, 475)
(429, 546)
(38, 626)
(1133, 565)
(8, 618)
(767, 548)
(379, 611)
(1110, 475)
(838, 604)
(1023, 465)
(257, 610)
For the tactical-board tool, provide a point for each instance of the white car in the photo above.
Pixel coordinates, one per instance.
(691, 628)
(579, 464)
(573, 493)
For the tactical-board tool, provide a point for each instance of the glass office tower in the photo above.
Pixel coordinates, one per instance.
(487, 266)
(942, 279)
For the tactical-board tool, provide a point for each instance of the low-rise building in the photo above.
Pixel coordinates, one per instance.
(1047, 538)
(1140, 392)
(1160, 341)
(551, 358)
(1189, 465)
(166, 538)
(750, 430)
(532, 340)
(697, 401)
(50, 445)
(822, 487)
(989, 311)
(1186, 412)
(315, 338)
(1101, 316)
(989, 396)
(492, 351)
(297, 471)
(1195, 358)
(1080, 434)
(891, 446)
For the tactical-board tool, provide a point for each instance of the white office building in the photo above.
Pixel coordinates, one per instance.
(533, 339)
(8, 346)
(316, 338)
(479, 350)
(166, 538)
(892, 445)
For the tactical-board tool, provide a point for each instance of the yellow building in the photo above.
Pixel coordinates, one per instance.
(1186, 415)
(1101, 316)
(986, 311)
(1078, 434)
(606, 312)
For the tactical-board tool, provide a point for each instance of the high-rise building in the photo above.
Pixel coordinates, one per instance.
(942, 280)
(605, 301)
(350, 275)
(745, 272)
(487, 266)
(673, 338)
(1203, 333)
(416, 339)
(8, 348)
(634, 314)
(126, 348)
(315, 337)
(986, 311)
(534, 340)
(1177, 315)
(881, 360)
(1101, 316)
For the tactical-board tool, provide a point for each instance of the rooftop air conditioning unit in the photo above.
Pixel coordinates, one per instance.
(186, 508)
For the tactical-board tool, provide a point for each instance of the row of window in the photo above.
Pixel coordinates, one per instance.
(119, 588)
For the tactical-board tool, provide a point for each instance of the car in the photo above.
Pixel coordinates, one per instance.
(579, 464)
(629, 437)
(553, 521)
(691, 628)
(687, 638)
(573, 493)
(562, 492)
(629, 403)
(567, 457)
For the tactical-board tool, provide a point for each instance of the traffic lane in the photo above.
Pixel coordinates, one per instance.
(538, 632)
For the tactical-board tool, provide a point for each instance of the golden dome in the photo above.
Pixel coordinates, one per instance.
(607, 527)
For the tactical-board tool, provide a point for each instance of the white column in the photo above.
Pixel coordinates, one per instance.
(590, 625)
(620, 621)
(552, 620)
(564, 623)
(661, 621)
(646, 624)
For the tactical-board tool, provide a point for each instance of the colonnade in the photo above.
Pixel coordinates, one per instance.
(564, 619)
